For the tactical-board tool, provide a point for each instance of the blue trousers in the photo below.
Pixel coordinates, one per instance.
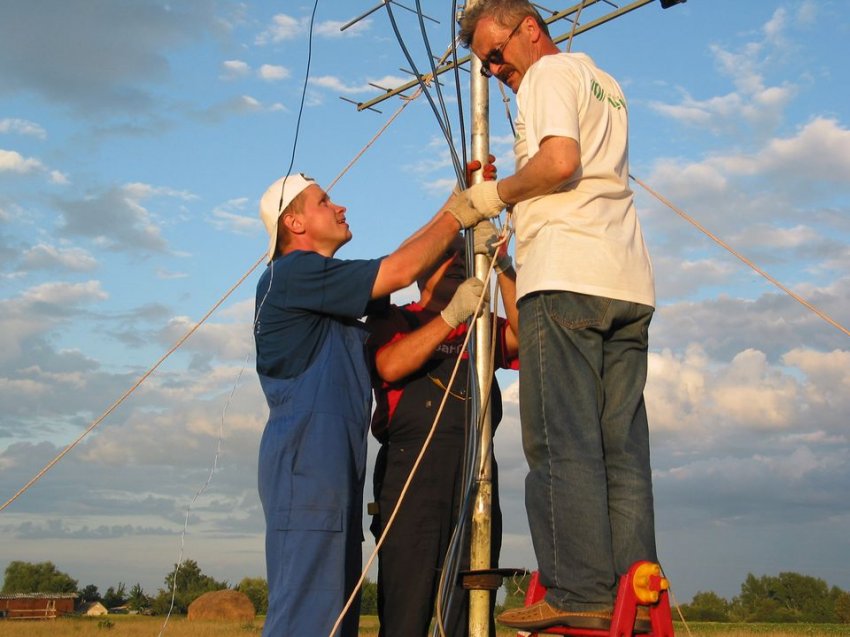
(312, 466)
(588, 493)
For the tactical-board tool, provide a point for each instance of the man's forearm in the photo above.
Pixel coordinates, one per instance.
(404, 356)
(415, 255)
(555, 162)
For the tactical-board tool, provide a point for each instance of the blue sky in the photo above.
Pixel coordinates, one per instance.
(137, 137)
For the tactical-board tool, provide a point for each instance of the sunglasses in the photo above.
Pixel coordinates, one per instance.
(494, 56)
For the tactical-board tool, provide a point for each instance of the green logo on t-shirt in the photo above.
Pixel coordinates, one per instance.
(617, 101)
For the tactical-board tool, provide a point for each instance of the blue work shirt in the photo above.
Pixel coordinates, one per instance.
(297, 298)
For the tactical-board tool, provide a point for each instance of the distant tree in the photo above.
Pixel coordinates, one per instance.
(257, 590)
(113, 598)
(89, 594)
(842, 607)
(43, 577)
(788, 597)
(161, 602)
(369, 598)
(707, 607)
(137, 600)
(191, 583)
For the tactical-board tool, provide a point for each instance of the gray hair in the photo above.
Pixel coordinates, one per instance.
(506, 13)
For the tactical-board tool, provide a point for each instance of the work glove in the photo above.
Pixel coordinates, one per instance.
(487, 243)
(485, 197)
(476, 203)
(464, 302)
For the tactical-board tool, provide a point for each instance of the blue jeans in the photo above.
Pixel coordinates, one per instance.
(588, 493)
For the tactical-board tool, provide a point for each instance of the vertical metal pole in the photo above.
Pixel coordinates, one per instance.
(479, 600)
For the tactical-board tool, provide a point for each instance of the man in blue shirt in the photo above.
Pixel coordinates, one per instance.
(312, 364)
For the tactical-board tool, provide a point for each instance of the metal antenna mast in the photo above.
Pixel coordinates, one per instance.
(481, 531)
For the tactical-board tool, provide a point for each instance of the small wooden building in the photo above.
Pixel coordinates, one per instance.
(36, 605)
(93, 609)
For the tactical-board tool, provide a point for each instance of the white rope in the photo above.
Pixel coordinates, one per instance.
(485, 401)
(742, 258)
(189, 333)
(133, 388)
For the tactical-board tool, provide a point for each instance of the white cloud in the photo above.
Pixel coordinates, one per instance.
(142, 191)
(271, 72)
(807, 12)
(753, 394)
(754, 103)
(827, 376)
(283, 27)
(13, 161)
(22, 127)
(774, 28)
(237, 106)
(250, 103)
(64, 294)
(73, 46)
(117, 219)
(230, 216)
(772, 238)
(677, 277)
(708, 399)
(331, 28)
(234, 69)
(227, 341)
(335, 84)
(58, 177)
(48, 257)
(168, 275)
(820, 151)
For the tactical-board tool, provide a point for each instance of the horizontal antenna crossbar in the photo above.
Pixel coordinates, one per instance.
(557, 16)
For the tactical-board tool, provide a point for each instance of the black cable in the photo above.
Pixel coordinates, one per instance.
(430, 55)
(459, 171)
(301, 106)
(458, 92)
(294, 148)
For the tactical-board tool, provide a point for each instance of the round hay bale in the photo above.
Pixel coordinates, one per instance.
(223, 605)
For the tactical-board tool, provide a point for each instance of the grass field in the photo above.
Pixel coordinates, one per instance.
(138, 626)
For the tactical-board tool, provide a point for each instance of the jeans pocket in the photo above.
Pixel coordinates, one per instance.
(575, 311)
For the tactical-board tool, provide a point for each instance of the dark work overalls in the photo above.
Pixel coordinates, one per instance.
(411, 559)
(311, 471)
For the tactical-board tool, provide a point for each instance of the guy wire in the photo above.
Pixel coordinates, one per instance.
(178, 343)
(741, 257)
(135, 385)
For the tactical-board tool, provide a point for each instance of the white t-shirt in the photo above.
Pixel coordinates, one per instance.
(585, 237)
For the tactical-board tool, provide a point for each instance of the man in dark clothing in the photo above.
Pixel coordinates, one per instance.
(415, 348)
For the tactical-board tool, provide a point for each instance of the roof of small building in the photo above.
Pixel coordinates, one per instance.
(38, 595)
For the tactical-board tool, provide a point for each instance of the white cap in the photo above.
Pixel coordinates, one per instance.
(276, 198)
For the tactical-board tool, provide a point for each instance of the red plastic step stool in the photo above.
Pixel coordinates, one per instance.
(643, 585)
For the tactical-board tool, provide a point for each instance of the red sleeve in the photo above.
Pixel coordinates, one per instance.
(384, 328)
(502, 360)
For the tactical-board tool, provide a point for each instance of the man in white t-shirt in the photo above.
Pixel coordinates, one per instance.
(586, 298)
